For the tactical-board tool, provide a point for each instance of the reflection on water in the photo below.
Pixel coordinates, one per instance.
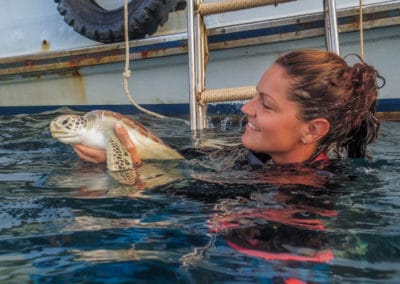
(63, 220)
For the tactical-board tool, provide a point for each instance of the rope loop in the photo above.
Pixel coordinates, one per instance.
(127, 72)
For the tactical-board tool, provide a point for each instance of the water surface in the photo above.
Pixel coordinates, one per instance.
(66, 221)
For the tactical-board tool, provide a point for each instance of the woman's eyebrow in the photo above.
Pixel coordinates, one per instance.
(264, 95)
(269, 99)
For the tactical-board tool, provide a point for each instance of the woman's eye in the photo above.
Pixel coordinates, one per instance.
(266, 106)
(264, 102)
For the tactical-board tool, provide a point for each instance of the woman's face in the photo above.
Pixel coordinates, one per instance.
(273, 124)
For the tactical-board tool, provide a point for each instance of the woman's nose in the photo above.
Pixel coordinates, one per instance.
(248, 108)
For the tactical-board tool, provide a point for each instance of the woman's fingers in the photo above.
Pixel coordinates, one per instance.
(127, 142)
(90, 154)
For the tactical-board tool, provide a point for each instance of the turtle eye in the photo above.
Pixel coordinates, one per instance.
(65, 121)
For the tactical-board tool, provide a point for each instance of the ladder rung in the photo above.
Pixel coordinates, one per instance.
(234, 5)
(227, 94)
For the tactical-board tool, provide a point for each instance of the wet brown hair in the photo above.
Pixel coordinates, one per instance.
(325, 86)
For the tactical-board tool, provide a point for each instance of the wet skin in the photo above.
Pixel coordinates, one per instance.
(274, 124)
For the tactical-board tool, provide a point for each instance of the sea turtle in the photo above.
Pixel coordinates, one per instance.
(96, 129)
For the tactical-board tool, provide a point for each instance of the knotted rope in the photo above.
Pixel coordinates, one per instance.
(127, 71)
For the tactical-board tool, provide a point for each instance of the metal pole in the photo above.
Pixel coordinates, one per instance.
(331, 28)
(196, 47)
(361, 24)
(192, 67)
(201, 47)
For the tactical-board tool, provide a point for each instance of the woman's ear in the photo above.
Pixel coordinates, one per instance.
(316, 130)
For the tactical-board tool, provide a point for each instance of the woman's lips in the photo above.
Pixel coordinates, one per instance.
(252, 127)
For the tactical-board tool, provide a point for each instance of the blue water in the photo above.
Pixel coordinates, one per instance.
(65, 221)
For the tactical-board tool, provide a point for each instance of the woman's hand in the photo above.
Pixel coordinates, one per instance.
(127, 142)
(89, 154)
(97, 156)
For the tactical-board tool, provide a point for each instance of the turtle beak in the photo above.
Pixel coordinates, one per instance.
(58, 131)
(54, 128)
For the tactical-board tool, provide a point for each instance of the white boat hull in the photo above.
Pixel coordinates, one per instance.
(76, 72)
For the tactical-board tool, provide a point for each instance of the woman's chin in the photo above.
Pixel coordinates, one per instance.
(246, 140)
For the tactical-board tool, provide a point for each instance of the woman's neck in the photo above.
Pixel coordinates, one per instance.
(301, 154)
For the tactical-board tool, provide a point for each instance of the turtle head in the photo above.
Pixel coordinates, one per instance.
(68, 128)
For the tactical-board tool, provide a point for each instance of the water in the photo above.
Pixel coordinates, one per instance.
(66, 221)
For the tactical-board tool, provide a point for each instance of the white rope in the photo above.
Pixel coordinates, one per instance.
(127, 72)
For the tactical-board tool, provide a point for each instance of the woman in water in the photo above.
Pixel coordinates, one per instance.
(307, 102)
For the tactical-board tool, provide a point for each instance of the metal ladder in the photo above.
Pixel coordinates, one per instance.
(199, 95)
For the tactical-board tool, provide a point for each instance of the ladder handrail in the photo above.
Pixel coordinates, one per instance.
(206, 9)
(331, 29)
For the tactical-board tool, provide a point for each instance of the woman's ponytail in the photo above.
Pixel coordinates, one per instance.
(364, 125)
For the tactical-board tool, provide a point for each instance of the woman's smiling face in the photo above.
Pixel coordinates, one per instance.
(274, 125)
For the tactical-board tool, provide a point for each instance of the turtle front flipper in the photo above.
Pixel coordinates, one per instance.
(127, 177)
(118, 158)
(119, 163)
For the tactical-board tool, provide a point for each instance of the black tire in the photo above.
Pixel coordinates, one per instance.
(94, 22)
